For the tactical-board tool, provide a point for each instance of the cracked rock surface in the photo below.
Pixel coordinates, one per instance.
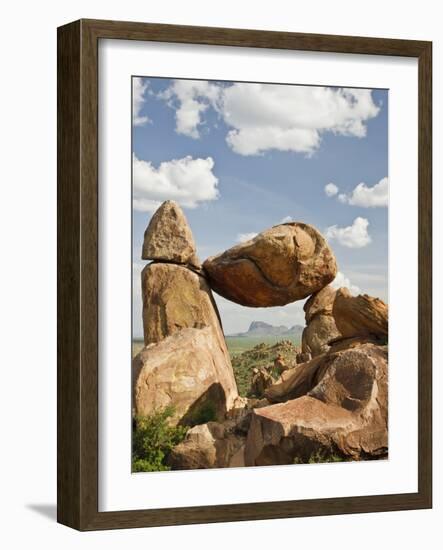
(280, 265)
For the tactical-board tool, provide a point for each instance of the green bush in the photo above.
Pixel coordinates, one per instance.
(318, 457)
(206, 412)
(152, 440)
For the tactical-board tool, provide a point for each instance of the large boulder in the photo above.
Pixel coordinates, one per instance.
(360, 315)
(168, 237)
(341, 412)
(210, 445)
(188, 370)
(280, 265)
(174, 298)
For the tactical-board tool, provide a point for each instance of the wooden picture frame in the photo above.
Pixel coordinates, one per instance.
(77, 174)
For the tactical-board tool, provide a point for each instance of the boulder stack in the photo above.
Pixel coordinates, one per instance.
(185, 362)
(334, 407)
(331, 403)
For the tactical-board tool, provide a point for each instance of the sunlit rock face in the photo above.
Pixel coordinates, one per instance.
(280, 265)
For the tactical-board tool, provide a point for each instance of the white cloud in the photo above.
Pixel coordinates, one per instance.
(139, 87)
(272, 116)
(191, 98)
(243, 237)
(287, 219)
(188, 181)
(368, 197)
(341, 281)
(331, 189)
(353, 236)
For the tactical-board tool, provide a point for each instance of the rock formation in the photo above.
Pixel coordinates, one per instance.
(188, 370)
(280, 265)
(168, 237)
(327, 402)
(185, 362)
(336, 407)
(335, 315)
(211, 445)
(320, 328)
(360, 315)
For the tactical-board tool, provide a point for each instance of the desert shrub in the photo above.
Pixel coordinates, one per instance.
(152, 440)
(320, 457)
(206, 412)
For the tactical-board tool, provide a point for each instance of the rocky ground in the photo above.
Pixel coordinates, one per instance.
(274, 405)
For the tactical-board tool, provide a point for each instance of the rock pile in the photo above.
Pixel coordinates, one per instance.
(185, 362)
(330, 402)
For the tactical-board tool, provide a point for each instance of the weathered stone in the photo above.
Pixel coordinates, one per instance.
(318, 334)
(303, 357)
(209, 445)
(280, 265)
(320, 328)
(261, 380)
(174, 298)
(343, 414)
(295, 382)
(168, 237)
(360, 315)
(320, 303)
(188, 370)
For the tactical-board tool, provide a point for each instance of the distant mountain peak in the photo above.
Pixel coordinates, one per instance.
(260, 328)
(260, 324)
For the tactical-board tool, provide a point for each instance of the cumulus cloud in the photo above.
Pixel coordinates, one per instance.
(139, 87)
(188, 181)
(368, 197)
(191, 98)
(243, 237)
(341, 281)
(353, 236)
(286, 219)
(262, 117)
(331, 189)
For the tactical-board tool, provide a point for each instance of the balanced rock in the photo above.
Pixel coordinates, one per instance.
(209, 445)
(280, 265)
(360, 315)
(168, 237)
(344, 414)
(188, 370)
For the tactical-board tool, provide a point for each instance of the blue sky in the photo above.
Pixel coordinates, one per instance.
(240, 158)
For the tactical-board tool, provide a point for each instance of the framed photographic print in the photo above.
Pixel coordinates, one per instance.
(244, 275)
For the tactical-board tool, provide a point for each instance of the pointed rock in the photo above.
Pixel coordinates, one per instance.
(168, 237)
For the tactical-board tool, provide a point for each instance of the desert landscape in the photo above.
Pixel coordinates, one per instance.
(273, 395)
